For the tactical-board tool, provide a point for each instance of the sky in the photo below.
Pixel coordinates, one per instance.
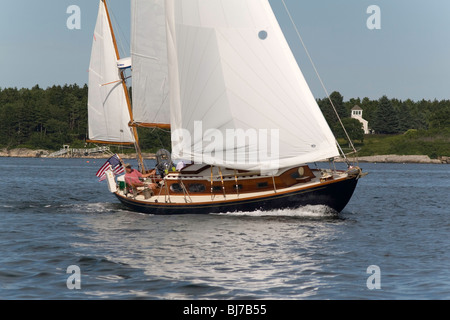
(409, 57)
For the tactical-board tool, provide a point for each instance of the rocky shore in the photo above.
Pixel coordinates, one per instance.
(27, 153)
(392, 158)
(23, 153)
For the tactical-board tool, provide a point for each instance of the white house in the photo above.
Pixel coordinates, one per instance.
(357, 114)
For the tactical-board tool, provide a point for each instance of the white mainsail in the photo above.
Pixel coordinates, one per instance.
(107, 105)
(150, 69)
(231, 68)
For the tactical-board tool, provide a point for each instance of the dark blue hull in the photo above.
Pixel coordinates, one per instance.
(335, 195)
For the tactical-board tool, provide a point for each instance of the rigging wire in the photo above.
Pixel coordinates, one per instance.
(121, 37)
(119, 34)
(321, 81)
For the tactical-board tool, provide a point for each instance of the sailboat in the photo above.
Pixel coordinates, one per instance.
(221, 76)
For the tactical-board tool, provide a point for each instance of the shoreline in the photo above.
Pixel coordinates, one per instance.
(44, 154)
(28, 153)
(392, 158)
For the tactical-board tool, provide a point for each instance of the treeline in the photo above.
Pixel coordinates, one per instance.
(386, 116)
(49, 118)
(39, 118)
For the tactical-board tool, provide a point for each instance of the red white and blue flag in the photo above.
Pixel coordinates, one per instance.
(112, 163)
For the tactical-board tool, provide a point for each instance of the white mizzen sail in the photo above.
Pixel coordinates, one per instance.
(231, 68)
(107, 105)
(150, 69)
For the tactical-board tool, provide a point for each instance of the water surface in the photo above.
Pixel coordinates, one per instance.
(54, 214)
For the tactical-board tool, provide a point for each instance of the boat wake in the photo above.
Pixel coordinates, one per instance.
(310, 211)
(67, 208)
(100, 207)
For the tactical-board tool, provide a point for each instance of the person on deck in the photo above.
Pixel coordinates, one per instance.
(133, 177)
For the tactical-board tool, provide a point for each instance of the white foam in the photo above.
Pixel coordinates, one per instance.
(310, 211)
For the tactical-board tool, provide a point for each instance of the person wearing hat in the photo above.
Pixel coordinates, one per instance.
(133, 177)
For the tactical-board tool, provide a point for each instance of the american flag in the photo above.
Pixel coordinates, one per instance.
(112, 163)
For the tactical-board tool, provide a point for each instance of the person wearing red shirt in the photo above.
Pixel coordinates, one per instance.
(132, 177)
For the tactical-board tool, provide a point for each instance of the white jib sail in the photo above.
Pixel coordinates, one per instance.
(150, 69)
(232, 71)
(107, 106)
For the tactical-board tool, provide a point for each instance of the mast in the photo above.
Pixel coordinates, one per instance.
(127, 96)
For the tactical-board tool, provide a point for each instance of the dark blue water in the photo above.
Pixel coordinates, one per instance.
(54, 214)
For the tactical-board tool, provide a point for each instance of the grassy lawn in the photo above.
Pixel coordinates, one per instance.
(414, 142)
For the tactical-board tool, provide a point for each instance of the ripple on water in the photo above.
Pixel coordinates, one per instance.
(396, 220)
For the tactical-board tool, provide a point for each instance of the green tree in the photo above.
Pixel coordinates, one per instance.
(8, 125)
(152, 140)
(404, 118)
(370, 109)
(353, 127)
(386, 121)
(440, 119)
(327, 108)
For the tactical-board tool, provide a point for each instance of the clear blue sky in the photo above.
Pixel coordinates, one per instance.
(408, 58)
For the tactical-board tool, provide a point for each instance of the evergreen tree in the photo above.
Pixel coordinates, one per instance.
(338, 102)
(328, 111)
(370, 109)
(440, 119)
(404, 118)
(386, 121)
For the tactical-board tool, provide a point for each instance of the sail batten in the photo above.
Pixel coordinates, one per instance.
(231, 68)
(107, 105)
